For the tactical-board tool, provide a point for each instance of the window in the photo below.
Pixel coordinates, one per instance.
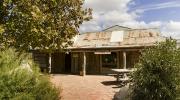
(109, 60)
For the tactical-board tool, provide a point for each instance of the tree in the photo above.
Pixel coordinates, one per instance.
(1, 29)
(45, 25)
(20, 79)
(158, 73)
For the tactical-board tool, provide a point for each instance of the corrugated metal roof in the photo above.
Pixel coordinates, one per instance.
(131, 38)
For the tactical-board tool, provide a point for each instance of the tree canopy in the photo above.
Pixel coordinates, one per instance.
(41, 24)
(158, 73)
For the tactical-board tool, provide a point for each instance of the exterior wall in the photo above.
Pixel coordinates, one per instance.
(93, 61)
(76, 62)
(58, 62)
(41, 59)
(131, 58)
(120, 60)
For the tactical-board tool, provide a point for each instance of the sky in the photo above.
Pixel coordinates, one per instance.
(162, 14)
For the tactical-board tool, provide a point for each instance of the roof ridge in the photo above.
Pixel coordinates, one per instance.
(114, 26)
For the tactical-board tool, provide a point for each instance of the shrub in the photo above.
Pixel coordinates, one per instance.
(158, 73)
(20, 79)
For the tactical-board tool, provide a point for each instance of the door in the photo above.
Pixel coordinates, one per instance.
(68, 63)
(58, 64)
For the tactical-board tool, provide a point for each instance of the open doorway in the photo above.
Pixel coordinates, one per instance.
(109, 61)
(68, 63)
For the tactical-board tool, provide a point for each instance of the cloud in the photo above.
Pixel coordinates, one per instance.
(172, 29)
(106, 5)
(91, 26)
(141, 24)
(107, 13)
(172, 25)
(171, 4)
(116, 12)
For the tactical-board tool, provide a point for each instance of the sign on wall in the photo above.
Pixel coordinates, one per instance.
(117, 36)
(102, 52)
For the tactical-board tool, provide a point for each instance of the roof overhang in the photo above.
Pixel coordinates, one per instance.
(118, 48)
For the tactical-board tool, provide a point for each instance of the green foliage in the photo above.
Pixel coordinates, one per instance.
(1, 29)
(158, 73)
(41, 24)
(45, 92)
(20, 79)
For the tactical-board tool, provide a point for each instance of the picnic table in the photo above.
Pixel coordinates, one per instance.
(123, 73)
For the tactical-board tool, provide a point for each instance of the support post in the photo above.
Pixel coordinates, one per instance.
(84, 64)
(124, 59)
(100, 59)
(118, 64)
(49, 63)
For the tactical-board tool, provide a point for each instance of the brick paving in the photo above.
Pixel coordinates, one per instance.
(90, 87)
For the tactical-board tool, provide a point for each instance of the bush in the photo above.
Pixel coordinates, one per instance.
(158, 73)
(20, 79)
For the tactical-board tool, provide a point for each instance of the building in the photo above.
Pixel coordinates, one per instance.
(99, 52)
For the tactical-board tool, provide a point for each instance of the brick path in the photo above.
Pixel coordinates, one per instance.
(90, 87)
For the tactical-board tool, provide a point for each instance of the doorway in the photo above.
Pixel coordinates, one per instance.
(68, 63)
(109, 61)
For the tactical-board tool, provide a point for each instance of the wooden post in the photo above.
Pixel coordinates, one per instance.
(118, 66)
(49, 63)
(124, 59)
(84, 64)
(100, 59)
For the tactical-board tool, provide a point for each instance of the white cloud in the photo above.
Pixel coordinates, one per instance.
(155, 24)
(106, 5)
(107, 13)
(90, 26)
(115, 12)
(141, 24)
(171, 28)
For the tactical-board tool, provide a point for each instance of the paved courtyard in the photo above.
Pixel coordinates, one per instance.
(90, 87)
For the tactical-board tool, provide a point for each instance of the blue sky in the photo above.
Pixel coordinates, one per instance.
(166, 13)
(162, 14)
